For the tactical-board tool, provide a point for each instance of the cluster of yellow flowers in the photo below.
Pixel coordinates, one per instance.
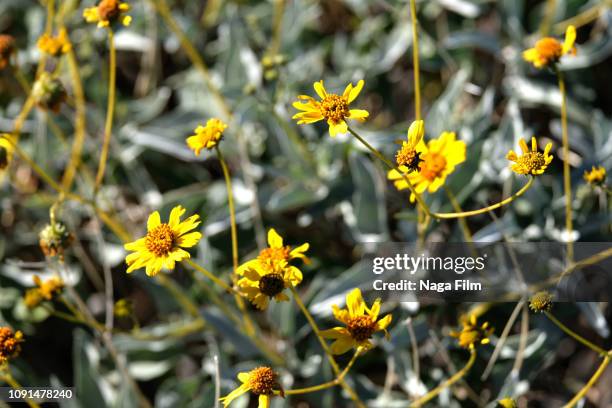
(10, 344)
(44, 290)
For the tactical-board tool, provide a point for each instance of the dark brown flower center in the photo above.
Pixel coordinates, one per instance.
(271, 284)
(408, 157)
(160, 240)
(334, 107)
(262, 381)
(361, 328)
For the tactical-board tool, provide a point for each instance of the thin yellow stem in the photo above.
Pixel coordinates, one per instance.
(326, 349)
(549, 12)
(486, 209)
(576, 336)
(328, 384)
(567, 183)
(592, 381)
(110, 109)
(391, 166)
(8, 378)
(415, 60)
(277, 27)
(467, 234)
(456, 377)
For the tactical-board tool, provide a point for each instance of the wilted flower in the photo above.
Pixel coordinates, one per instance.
(472, 334)
(333, 108)
(48, 92)
(163, 245)
(530, 162)
(268, 275)
(55, 238)
(549, 50)
(596, 176)
(438, 158)
(541, 302)
(10, 344)
(261, 381)
(360, 321)
(54, 45)
(206, 137)
(7, 49)
(108, 12)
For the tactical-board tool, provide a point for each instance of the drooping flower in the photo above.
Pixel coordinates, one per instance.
(361, 322)
(55, 238)
(268, 275)
(48, 92)
(261, 381)
(548, 50)
(439, 157)
(471, 333)
(596, 176)
(6, 153)
(530, 162)
(408, 156)
(206, 137)
(108, 12)
(54, 45)
(7, 49)
(10, 344)
(541, 302)
(163, 245)
(332, 107)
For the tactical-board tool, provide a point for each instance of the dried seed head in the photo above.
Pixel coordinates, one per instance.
(55, 238)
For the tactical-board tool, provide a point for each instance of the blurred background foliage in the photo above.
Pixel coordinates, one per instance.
(308, 186)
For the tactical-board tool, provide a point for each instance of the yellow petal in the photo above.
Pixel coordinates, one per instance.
(355, 91)
(243, 377)
(335, 128)
(264, 401)
(342, 345)
(320, 89)
(175, 216)
(358, 114)
(523, 146)
(274, 240)
(153, 221)
(383, 323)
(233, 395)
(354, 303)
(416, 132)
(570, 38)
(189, 240)
(534, 144)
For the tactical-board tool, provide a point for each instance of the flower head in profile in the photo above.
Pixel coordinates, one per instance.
(54, 45)
(548, 51)
(596, 176)
(7, 49)
(206, 137)
(471, 333)
(408, 156)
(507, 403)
(531, 161)
(360, 323)
(438, 158)
(268, 275)
(108, 12)
(541, 302)
(332, 107)
(10, 344)
(49, 93)
(55, 238)
(163, 245)
(6, 153)
(261, 381)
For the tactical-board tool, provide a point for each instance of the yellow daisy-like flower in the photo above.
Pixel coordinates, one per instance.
(163, 245)
(7, 49)
(49, 288)
(472, 334)
(408, 155)
(438, 159)
(549, 50)
(332, 107)
(530, 162)
(596, 176)
(54, 45)
(261, 381)
(10, 344)
(6, 153)
(108, 12)
(206, 137)
(360, 321)
(541, 302)
(268, 275)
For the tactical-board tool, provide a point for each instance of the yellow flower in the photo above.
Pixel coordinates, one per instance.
(123, 308)
(50, 287)
(596, 176)
(54, 45)
(163, 245)
(6, 153)
(7, 49)
(32, 298)
(361, 323)
(108, 12)
(507, 403)
(206, 137)
(407, 155)
(530, 162)
(541, 302)
(268, 275)
(333, 108)
(549, 50)
(472, 334)
(438, 159)
(261, 381)
(9, 344)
